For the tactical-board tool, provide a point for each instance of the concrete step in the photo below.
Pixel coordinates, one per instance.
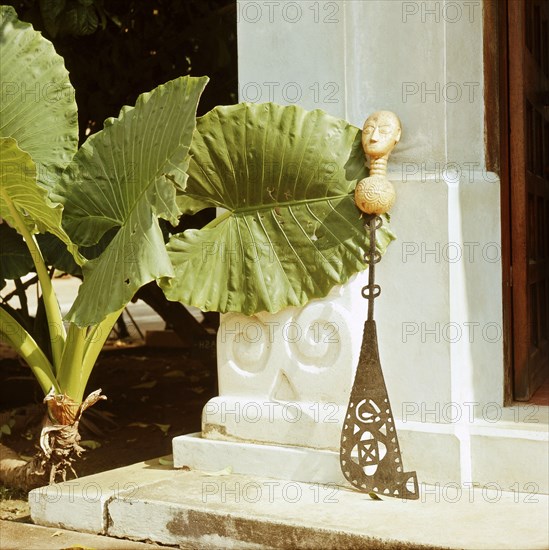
(150, 501)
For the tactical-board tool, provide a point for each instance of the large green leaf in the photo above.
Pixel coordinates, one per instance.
(23, 203)
(122, 180)
(37, 104)
(292, 230)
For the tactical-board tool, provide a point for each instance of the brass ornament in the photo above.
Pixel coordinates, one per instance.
(370, 455)
(376, 194)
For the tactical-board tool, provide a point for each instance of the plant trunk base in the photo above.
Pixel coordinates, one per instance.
(59, 446)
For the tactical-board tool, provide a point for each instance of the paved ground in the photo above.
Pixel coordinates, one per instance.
(23, 536)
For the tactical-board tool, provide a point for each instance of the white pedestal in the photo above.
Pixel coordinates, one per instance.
(284, 384)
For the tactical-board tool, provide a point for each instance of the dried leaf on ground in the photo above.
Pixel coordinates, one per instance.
(145, 385)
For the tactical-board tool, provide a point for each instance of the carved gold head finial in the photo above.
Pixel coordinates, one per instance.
(376, 194)
(380, 134)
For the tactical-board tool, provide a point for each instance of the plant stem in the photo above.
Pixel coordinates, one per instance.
(23, 343)
(53, 312)
(81, 351)
(95, 340)
(216, 221)
(70, 371)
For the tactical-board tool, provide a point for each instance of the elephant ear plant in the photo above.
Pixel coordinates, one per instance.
(112, 191)
(289, 232)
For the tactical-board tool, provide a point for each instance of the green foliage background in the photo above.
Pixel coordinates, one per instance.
(115, 50)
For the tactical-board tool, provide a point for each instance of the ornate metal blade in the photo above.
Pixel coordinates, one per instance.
(369, 453)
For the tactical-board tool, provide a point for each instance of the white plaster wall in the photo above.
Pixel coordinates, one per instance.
(292, 52)
(386, 52)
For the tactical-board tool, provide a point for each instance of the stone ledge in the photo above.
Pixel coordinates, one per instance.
(80, 504)
(222, 510)
(276, 461)
(432, 450)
